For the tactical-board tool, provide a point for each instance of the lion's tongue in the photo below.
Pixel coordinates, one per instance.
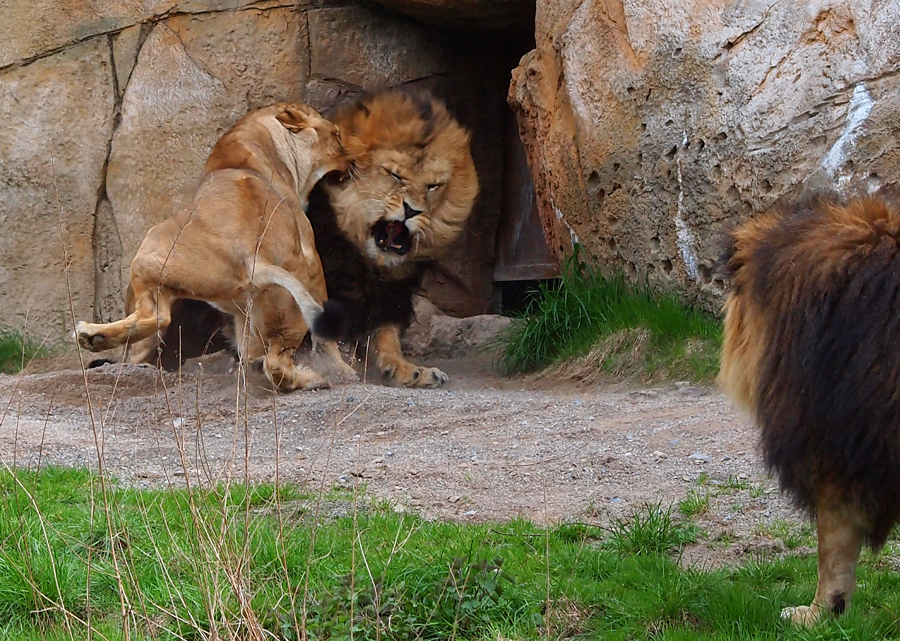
(394, 229)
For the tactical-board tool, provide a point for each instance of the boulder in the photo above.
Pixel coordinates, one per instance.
(433, 334)
(57, 121)
(652, 125)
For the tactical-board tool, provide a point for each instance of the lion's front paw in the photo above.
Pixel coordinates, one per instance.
(89, 339)
(409, 375)
(805, 615)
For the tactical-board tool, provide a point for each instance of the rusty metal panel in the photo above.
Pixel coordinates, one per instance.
(522, 252)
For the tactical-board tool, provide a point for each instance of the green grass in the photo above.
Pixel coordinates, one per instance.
(623, 323)
(696, 502)
(230, 561)
(17, 350)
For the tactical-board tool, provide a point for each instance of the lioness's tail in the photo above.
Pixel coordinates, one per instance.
(327, 321)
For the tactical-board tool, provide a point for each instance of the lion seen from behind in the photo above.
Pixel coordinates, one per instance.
(810, 350)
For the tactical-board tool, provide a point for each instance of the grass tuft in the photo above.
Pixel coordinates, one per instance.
(17, 350)
(651, 530)
(626, 323)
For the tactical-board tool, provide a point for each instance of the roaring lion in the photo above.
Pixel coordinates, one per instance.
(811, 333)
(244, 245)
(379, 227)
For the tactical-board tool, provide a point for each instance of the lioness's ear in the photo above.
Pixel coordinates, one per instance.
(294, 118)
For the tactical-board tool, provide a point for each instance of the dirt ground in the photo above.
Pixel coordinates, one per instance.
(484, 448)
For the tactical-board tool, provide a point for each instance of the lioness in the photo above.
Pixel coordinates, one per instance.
(406, 199)
(811, 328)
(244, 245)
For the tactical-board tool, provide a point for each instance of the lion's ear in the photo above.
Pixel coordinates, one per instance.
(294, 118)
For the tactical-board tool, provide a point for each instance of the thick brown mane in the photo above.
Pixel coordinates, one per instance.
(396, 136)
(405, 201)
(813, 321)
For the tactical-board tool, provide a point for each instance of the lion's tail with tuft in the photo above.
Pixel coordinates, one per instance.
(327, 321)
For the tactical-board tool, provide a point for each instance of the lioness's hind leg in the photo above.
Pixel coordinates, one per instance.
(391, 363)
(151, 316)
(284, 374)
(840, 541)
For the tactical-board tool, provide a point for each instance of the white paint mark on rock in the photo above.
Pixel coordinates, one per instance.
(861, 104)
(561, 219)
(687, 242)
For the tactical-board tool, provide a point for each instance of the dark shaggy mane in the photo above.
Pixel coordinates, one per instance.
(825, 276)
(368, 297)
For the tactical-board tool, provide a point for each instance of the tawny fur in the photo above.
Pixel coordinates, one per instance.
(244, 245)
(812, 321)
(407, 199)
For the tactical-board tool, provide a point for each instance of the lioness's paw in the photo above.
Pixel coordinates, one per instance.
(804, 615)
(89, 340)
(409, 375)
(293, 378)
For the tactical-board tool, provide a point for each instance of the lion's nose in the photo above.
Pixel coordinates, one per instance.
(409, 212)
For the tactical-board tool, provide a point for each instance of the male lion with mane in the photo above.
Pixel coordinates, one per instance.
(378, 228)
(812, 330)
(245, 246)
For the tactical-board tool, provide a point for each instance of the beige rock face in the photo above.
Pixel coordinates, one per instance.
(57, 120)
(194, 77)
(651, 125)
(32, 28)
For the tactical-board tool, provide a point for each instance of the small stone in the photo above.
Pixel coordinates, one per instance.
(399, 508)
(700, 458)
(178, 422)
(615, 500)
(453, 499)
(660, 455)
(470, 513)
(682, 384)
(674, 441)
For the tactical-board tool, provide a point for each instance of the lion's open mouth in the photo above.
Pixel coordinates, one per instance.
(392, 236)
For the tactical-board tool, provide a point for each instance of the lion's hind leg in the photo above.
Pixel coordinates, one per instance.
(841, 537)
(151, 317)
(391, 363)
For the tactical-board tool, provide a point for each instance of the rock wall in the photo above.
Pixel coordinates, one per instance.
(651, 125)
(109, 115)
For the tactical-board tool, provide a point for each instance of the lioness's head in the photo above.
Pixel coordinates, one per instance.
(327, 146)
(412, 184)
